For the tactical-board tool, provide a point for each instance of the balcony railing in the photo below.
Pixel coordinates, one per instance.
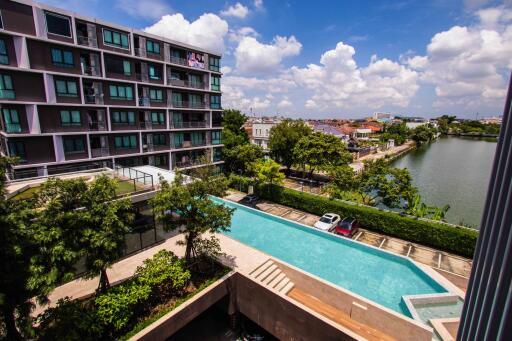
(141, 52)
(145, 125)
(178, 60)
(100, 152)
(12, 128)
(7, 94)
(91, 70)
(144, 102)
(97, 125)
(189, 144)
(186, 83)
(143, 77)
(189, 163)
(181, 125)
(94, 99)
(187, 104)
(86, 41)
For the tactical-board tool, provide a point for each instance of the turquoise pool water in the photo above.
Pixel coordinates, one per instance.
(376, 275)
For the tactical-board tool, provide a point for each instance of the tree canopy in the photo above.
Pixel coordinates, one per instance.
(321, 151)
(267, 172)
(283, 138)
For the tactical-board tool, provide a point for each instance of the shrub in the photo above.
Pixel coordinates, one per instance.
(163, 273)
(460, 241)
(68, 320)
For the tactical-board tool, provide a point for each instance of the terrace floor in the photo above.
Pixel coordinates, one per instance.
(455, 268)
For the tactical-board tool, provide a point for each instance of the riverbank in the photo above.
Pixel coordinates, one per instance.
(390, 154)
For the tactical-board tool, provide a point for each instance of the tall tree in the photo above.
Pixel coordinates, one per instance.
(233, 133)
(238, 158)
(283, 138)
(423, 133)
(321, 151)
(343, 179)
(104, 221)
(267, 172)
(189, 208)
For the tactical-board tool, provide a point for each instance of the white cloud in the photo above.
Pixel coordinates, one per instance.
(469, 66)
(258, 4)
(253, 56)
(237, 11)
(284, 103)
(146, 9)
(207, 32)
(237, 35)
(225, 70)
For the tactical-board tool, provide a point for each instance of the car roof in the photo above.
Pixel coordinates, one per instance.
(348, 220)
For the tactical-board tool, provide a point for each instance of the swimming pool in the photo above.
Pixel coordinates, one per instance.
(374, 274)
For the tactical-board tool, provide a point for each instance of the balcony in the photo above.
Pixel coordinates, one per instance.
(141, 52)
(86, 41)
(189, 163)
(91, 70)
(100, 152)
(184, 125)
(186, 83)
(12, 128)
(94, 99)
(145, 125)
(97, 125)
(178, 60)
(189, 144)
(190, 105)
(143, 77)
(144, 102)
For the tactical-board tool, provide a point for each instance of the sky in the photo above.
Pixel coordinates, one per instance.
(339, 59)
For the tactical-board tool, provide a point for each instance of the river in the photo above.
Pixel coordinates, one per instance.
(454, 171)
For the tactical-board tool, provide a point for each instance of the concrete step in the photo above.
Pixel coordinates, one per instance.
(287, 288)
(261, 277)
(273, 275)
(282, 284)
(261, 268)
(276, 280)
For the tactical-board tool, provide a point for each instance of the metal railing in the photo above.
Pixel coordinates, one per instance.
(144, 102)
(134, 174)
(189, 144)
(100, 152)
(186, 83)
(141, 52)
(143, 77)
(94, 99)
(32, 174)
(86, 41)
(189, 163)
(178, 60)
(145, 125)
(91, 70)
(187, 104)
(97, 125)
(192, 124)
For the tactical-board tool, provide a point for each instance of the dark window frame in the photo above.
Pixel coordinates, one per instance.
(112, 43)
(155, 97)
(76, 143)
(72, 122)
(56, 15)
(125, 142)
(4, 55)
(67, 93)
(152, 43)
(17, 144)
(118, 97)
(62, 54)
(123, 118)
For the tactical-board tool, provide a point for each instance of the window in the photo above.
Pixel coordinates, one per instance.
(197, 138)
(195, 81)
(121, 92)
(216, 137)
(73, 145)
(154, 72)
(156, 95)
(6, 87)
(58, 24)
(157, 118)
(70, 118)
(214, 63)
(159, 139)
(66, 88)
(119, 66)
(1, 21)
(215, 102)
(17, 149)
(196, 101)
(116, 39)
(62, 58)
(4, 57)
(11, 120)
(123, 117)
(152, 47)
(216, 83)
(125, 142)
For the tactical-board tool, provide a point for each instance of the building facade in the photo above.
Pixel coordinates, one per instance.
(261, 133)
(78, 93)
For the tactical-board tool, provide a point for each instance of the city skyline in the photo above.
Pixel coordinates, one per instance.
(390, 57)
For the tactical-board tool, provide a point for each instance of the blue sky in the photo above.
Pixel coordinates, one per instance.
(340, 58)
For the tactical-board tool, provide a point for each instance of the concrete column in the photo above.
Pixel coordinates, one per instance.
(49, 88)
(34, 126)
(487, 312)
(20, 46)
(59, 148)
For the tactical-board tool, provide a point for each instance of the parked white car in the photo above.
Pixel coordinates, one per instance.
(327, 222)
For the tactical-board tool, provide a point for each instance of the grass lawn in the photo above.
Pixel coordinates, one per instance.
(124, 187)
(27, 194)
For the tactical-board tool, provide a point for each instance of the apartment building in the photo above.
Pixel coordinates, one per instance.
(79, 93)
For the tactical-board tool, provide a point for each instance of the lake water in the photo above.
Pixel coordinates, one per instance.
(453, 171)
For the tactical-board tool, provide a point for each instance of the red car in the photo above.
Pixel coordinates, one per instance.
(347, 227)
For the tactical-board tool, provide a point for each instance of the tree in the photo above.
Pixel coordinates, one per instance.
(380, 183)
(343, 179)
(189, 208)
(397, 131)
(104, 221)
(321, 151)
(233, 133)
(423, 133)
(283, 138)
(238, 158)
(268, 172)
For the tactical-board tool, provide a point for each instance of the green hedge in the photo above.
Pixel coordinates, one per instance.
(461, 241)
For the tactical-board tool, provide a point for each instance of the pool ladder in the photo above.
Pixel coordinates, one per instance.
(269, 275)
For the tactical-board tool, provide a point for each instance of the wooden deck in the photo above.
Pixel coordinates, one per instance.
(337, 315)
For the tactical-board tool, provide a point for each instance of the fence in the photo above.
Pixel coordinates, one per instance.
(136, 175)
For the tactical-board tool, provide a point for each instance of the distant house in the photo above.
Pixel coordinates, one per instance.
(362, 133)
(327, 129)
(261, 133)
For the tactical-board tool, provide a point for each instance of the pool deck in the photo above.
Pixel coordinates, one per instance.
(455, 268)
